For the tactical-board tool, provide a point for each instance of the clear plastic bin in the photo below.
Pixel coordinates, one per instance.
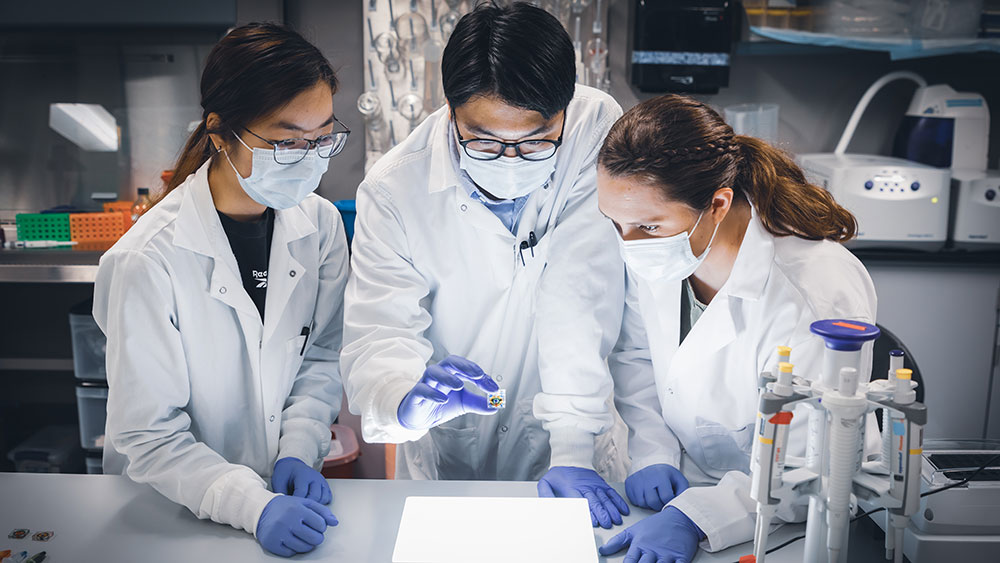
(89, 345)
(344, 452)
(52, 449)
(95, 465)
(92, 404)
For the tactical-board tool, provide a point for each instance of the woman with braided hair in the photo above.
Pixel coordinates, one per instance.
(730, 253)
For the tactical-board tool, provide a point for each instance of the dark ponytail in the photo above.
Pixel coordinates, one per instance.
(687, 150)
(251, 72)
(786, 202)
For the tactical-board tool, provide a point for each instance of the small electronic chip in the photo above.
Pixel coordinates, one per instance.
(497, 400)
(43, 536)
(18, 534)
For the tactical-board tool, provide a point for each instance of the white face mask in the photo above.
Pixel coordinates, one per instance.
(280, 186)
(664, 258)
(506, 177)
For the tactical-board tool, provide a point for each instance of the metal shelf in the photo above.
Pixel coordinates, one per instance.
(44, 265)
(989, 258)
(898, 48)
(36, 364)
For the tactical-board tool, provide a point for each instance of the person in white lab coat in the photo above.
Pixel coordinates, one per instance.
(223, 304)
(730, 253)
(479, 250)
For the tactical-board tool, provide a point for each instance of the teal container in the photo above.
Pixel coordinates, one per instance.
(348, 210)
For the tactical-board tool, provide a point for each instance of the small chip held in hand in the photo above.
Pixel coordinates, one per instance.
(497, 400)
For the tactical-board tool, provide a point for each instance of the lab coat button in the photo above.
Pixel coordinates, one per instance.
(292, 273)
(222, 290)
(990, 195)
(498, 378)
(503, 428)
(464, 207)
(272, 418)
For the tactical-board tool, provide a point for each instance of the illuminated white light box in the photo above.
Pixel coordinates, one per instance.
(495, 530)
(88, 126)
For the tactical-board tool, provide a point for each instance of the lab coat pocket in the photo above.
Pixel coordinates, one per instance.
(457, 452)
(722, 448)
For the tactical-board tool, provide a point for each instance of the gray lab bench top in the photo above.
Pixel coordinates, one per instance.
(108, 518)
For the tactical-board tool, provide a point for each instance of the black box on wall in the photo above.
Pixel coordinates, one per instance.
(680, 46)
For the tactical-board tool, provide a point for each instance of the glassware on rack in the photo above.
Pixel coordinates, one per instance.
(595, 61)
(433, 89)
(560, 9)
(447, 23)
(387, 48)
(577, 7)
(411, 107)
(411, 29)
(376, 128)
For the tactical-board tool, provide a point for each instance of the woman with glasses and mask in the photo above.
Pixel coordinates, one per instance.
(730, 253)
(223, 304)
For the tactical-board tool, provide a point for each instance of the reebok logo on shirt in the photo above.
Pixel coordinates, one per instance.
(260, 278)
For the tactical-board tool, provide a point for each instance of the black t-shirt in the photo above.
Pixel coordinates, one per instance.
(251, 244)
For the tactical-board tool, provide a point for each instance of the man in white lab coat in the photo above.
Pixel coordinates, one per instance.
(479, 249)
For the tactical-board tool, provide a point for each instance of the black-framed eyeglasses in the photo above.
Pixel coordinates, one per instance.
(291, 151)
(528, 149)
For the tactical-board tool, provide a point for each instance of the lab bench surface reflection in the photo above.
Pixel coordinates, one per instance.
(108, 518)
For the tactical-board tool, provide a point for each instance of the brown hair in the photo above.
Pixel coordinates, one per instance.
(252, 71)
(687, 150)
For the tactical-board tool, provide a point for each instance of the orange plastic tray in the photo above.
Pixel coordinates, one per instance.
(86, 227)
(123, 207)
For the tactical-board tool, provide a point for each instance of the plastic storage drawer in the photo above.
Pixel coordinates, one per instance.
(95, 465)
(52, 449)
(92, 404)
(89, 346)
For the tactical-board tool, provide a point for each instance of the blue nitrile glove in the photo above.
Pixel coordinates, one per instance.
(665, 537)
(606, 505)
(291, 525)
(440, 395)
(655, 486)
(293, 477)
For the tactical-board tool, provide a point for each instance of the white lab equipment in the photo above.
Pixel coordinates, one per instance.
(950, 129)
(976, 212)
(833, 475)
(945, 128)
(898, 203)
(960, 521)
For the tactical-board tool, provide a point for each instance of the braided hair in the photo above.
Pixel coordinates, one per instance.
(685, 148)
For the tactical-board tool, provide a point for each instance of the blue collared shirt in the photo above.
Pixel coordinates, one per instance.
(507, 210)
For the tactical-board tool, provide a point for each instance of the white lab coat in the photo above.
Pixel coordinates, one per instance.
(705, 389)
(204, 398)
(436, 273)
